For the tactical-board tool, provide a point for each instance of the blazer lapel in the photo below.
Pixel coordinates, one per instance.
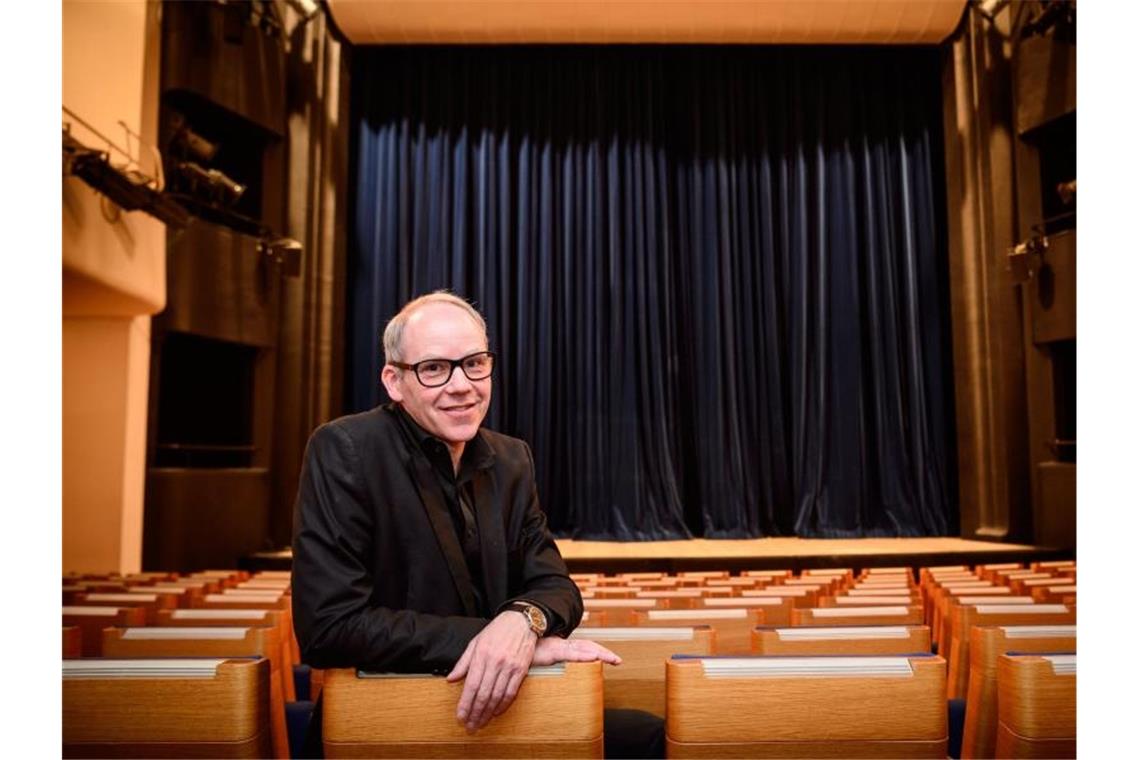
(436, 507)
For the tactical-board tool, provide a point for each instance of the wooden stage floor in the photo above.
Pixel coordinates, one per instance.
(761, 554)
(793, 553)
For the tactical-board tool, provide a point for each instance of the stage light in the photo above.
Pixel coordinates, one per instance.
(1026, 257)
(210, 184)
(187, 143)
(286, 252)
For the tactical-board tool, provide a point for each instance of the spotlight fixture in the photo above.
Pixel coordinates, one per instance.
(284, 251)
(187, 143)
(1067, 191)
(1026, 257)
(210, 184)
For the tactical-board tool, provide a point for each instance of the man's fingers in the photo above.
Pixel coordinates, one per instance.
(479, 707)
(460, 668)
(583, 650)
(495, 704)
(605, 655)
(470, 687)
(512, 691)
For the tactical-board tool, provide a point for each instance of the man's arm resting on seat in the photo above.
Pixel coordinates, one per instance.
(496, 662)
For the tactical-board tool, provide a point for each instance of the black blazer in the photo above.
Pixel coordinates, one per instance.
(379, 578)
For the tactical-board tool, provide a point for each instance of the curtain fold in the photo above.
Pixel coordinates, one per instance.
(715, 276)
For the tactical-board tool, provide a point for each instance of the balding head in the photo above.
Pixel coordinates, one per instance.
(397, 326)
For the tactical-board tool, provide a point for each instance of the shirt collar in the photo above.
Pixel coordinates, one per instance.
(477, 453)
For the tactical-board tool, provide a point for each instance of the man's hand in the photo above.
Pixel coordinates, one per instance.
(494, 664)
(553, 650)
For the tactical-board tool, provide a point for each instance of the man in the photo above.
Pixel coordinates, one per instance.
(419, 544)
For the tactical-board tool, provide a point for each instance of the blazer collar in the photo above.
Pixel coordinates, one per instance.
(477, 452)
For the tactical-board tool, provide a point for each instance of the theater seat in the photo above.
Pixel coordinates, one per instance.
(733, 625)
(847, 616)
(91, 620)
(166, 708)
(1037, 706)
(987, 644)
(72, 642)
(153, 642)
(855, 707)
(850, 640)
(557, 713)
(638, 683)
(968, 616)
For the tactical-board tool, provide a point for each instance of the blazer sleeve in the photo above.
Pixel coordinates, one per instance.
(544, 577)
(335, 623)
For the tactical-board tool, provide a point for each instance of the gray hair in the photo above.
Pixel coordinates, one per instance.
(394, 331)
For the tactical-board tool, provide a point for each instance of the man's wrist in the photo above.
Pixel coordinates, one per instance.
(534, 616)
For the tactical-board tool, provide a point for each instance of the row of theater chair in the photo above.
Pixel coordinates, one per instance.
(788, 705)
(160, 620)
(641, 682)
(632, 685)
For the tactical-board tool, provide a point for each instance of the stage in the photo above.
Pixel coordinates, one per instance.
(763, 554)
(793, 553)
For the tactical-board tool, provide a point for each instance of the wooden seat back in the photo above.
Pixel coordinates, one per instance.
(806, 707)
(154, 642)
(557, 713)
(879, 600)
(936, 604)
(990, 571)
(775, 610)
(988, 595)
(968, 616)
(1059, 593)
(228, 600)
(736, 585)
(732, 626)
(1037, 706)
(92, 619)
(847, 616)
(845, 640)
(1054, 565)
(987, 643)
(800, 596)
(72, 642)
(619, 612)
(166, 708)
(149, 603)
(614, 592)
(639, 682)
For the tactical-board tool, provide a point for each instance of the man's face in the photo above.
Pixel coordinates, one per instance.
(453, 411)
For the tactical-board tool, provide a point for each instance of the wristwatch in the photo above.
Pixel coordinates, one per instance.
(535, 617)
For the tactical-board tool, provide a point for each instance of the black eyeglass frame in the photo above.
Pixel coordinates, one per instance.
(453, 362)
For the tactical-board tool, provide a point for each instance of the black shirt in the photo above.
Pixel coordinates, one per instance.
(458, 490)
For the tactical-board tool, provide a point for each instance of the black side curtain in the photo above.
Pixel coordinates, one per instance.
(715, 276)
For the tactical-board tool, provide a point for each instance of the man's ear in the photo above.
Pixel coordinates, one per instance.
(390, 378)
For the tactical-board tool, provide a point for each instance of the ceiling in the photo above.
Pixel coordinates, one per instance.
(816, 22)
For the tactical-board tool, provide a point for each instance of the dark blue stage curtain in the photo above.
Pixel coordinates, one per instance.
(715, 276)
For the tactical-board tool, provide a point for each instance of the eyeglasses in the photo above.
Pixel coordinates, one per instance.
(433, 373)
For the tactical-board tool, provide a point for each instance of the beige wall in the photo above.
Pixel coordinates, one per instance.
(113, 279)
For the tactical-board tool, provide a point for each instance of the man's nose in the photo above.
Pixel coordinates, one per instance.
(459, 383)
